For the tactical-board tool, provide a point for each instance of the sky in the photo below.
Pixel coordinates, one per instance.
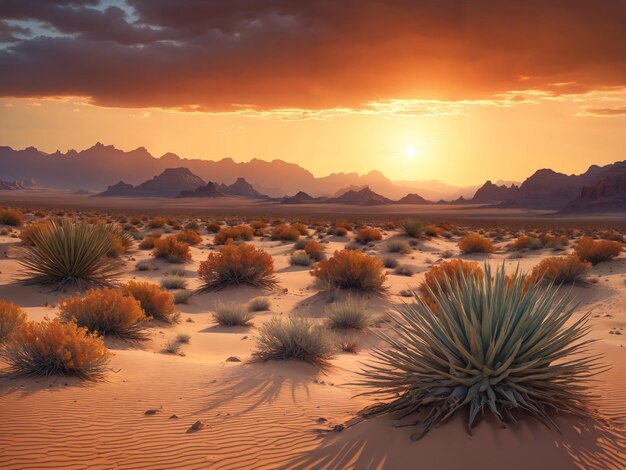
(459, 91)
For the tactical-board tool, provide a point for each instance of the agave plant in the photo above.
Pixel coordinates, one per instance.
(65, 253)
(496, 344)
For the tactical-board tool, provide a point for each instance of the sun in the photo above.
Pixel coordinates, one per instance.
(410, 151)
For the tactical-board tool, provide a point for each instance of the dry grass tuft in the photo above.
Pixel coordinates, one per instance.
(232, 315)
(294, 338)
(445, 276)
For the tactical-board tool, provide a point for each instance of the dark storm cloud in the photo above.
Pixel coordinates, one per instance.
(317, 54)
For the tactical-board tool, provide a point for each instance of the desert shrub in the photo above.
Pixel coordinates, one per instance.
(11, 217)
(414, 228)
(432, 230)
(147, 243)
(339, 231)
(524, 242)
(494, 345)
(171, 250)
(182, 297)
(157, 222)
(390, 262)
(143, 265)
(27, 231)
(235, 265)
(193, 225)
(106, 311)
(294, 338)
(475, 243)
(232, 315)
(65, 253)
(213, 227)
(259, 304)
(561, 269)
(404, 270)
(51, 347)
(286, 232)
(351, 269)
(314, 250)
(368, 234)
(189, 236)
(258, 227)
(121, 241)
(299, 258)
(351, 313)
(444, 276)
(596, 251)
(11, 316)
(183, 338)
(155, 302)
(398, 246)
(234, 234)
(173, 281)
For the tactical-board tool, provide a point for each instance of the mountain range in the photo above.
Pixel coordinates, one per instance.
(599, 189)
(99, 166)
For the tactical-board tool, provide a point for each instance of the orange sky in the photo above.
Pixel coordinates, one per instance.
(457, 91)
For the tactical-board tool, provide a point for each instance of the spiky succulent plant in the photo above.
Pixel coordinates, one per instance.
(495, 344)
(67, 253)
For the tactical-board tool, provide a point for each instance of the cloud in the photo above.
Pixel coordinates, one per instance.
(323, 55)
(613, 111)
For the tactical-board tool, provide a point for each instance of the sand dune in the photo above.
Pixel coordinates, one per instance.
(281, 414)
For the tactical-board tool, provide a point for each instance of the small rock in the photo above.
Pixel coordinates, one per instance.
(338, 427)
(151, 412)
(196, 426)
(321, 420)
(173, 417)
(233, 359)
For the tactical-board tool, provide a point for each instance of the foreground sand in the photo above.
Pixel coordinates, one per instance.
(268, 415)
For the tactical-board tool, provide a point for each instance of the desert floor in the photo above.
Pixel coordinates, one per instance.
(267, 415)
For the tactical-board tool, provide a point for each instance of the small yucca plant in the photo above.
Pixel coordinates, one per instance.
(70, 254)
(497, 344)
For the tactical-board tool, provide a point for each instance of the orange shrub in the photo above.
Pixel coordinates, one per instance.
(189, 236)
(432, 230)
(235, 265)
(453, 270)
(147, 243)
(157, 222)
(560, 269)
(11, 217)
(314, 250)
(171, 250)
(258, 227)
(51, 347)
(368, 234)
(238, 233)
(351, 269)
(155, 302)
(524, 242)
(11, 316)
(213, 227)
(596, 251)
(26, 233)
(106, 311)
(475, 243)
(286, 232)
